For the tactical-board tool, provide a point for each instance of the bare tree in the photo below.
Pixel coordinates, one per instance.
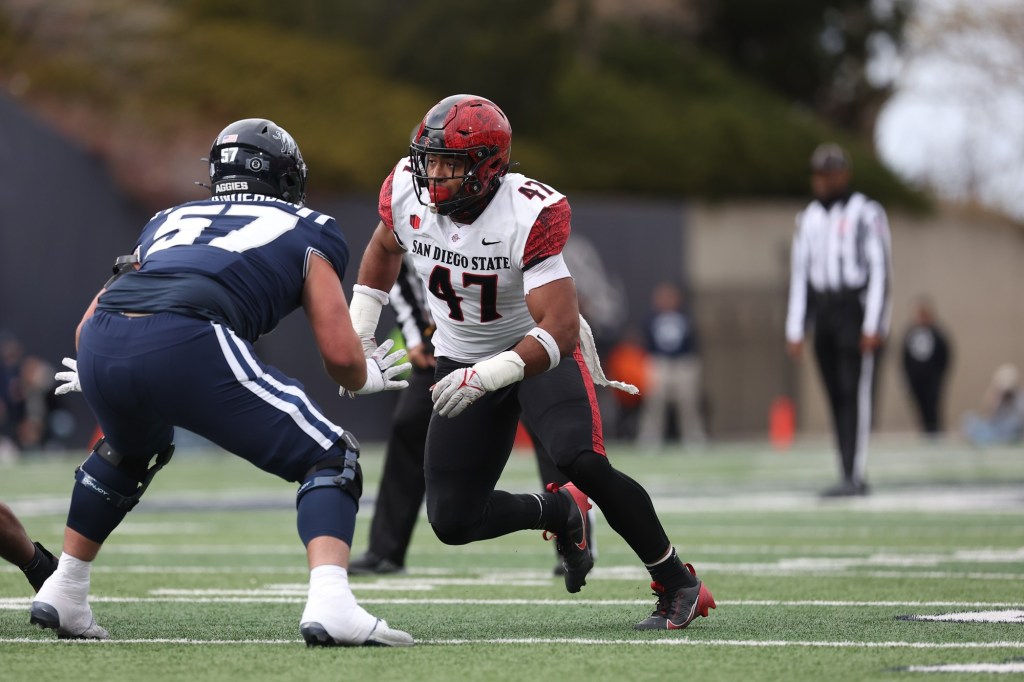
(969, 57)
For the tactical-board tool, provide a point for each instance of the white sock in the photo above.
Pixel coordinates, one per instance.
(69, 587)
(327, 572)
(332, 604)
(73, 569)
(327, 582)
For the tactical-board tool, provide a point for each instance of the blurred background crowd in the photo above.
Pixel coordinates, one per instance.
(679, 129)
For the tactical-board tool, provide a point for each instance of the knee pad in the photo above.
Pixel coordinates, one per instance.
(350, 480)
(122, 481)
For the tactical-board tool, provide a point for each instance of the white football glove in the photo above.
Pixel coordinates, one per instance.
(460, 389)
(381, 371)
(71, 384)
(457, 391)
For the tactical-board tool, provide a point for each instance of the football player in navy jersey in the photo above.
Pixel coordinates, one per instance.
(169, 343)
(487, 245)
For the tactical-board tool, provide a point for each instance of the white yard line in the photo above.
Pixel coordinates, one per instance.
(989, 498)
(530, 641)
(297, 597)
(1011, 667)
(795, 567)
(872, 554)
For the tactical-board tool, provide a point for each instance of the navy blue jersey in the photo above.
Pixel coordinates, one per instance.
(240, 260)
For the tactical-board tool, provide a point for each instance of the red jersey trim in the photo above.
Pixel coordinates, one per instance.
(549, 233)
(384, 202)
(596, 428)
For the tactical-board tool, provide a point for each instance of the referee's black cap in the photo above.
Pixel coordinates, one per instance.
(829, 157)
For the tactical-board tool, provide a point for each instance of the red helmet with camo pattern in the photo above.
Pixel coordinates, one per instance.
(472, 129)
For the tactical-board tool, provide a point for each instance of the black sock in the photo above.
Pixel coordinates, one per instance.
(553, 511)
(671, 573)
(41, 567)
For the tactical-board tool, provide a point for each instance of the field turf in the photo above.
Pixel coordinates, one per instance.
(206, 579)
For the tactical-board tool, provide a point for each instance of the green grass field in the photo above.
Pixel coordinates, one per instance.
(205, 580)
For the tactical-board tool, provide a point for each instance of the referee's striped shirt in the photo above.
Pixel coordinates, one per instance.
(842, 248)
(410, 305)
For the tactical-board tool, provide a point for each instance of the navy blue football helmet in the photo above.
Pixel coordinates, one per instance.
(257, 156)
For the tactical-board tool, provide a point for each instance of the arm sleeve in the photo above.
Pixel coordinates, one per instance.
(876, 248)
(796, 317)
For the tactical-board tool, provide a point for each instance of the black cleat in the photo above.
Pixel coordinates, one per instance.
(316, 634)
(43, 615)
(371, 564)
(675, 610)
(559, 569)
(846, 488)
(573, 540)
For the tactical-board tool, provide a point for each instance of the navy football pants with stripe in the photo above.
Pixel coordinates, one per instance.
(142, 376)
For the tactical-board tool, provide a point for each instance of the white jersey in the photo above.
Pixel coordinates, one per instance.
(477, 275)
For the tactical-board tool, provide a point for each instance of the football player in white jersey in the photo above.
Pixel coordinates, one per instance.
(487, 244)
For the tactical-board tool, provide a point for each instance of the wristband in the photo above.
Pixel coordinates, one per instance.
(378, 295)
(365, 309)
(548, 343)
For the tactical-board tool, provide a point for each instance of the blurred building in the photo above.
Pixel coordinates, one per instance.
(64, 220)
(970, 263)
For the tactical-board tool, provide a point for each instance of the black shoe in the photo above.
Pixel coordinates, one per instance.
(371, 564)
(41, 567)
(846, 488)
(675, 610)
(559, 569)
(572, 540)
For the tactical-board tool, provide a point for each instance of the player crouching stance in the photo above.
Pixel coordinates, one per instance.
(168, 342)
(488, 246)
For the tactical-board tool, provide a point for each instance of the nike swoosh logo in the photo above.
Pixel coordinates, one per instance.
(691, 616)
(487, 243)
(582, 545)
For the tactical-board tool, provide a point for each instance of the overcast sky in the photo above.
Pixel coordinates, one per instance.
(956, 121)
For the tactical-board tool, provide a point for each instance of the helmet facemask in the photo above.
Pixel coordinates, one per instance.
(477, 161)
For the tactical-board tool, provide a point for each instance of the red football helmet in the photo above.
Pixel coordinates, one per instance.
(473, 129)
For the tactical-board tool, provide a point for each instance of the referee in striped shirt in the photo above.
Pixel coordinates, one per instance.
(401, 484)
(840, 280)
